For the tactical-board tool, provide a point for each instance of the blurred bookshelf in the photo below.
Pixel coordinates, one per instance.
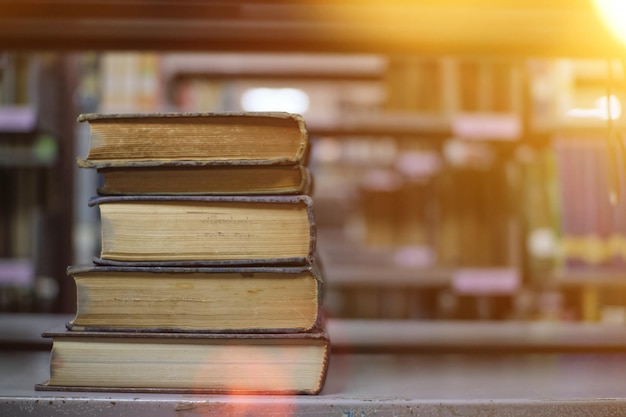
(35, 172)
(470, 209)
(440, 161)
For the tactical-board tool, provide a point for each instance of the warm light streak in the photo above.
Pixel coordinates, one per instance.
(600, 111)
(613, 13)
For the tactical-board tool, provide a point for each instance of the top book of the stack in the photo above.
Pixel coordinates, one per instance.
(195, 139)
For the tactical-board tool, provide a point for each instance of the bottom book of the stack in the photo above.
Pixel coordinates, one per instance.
(276, 363)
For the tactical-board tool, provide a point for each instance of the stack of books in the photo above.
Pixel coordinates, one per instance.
(208, 279)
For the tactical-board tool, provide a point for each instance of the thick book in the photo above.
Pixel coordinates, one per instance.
(151, 139)
(209, 299)
(277, 363)
(176, 179)
(206, 230)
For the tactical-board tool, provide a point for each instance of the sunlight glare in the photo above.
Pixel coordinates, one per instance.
(613, 13)
(290, 100)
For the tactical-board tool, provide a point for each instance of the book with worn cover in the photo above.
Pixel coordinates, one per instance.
(276, 363)
(206, 180)
(206, 230)
(152, 139)
(210, 299)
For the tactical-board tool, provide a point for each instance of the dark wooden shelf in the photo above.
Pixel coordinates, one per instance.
(474, 336)
(387, 124)
(586, 277)
(557, 28)
(23, 331)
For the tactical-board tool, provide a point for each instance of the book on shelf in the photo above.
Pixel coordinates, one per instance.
(591, 225)
(206, 230)
(210, 299)
(152, 139)
(241, 363)
(181, 178)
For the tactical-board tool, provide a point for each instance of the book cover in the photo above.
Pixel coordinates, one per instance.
(210, 299)
(206, 230)
(188, 179)
(277, 363)
(243, 138)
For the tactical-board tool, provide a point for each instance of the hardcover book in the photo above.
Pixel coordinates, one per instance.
(215, 299)
(277, 363)
(181, 178)
(195, 139)
(206, 230)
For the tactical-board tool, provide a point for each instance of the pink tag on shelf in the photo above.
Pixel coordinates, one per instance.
(17, 119)
(19, 272)
(485, 281)
(487, 126)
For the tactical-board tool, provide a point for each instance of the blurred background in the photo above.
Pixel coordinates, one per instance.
(467, 156)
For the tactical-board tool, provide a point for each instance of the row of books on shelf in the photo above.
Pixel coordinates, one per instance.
(551, 204)
(454, 216)
(200, 286)
(593, 226)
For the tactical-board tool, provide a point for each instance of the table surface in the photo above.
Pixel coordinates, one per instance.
(362, 385)
(480, 383)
